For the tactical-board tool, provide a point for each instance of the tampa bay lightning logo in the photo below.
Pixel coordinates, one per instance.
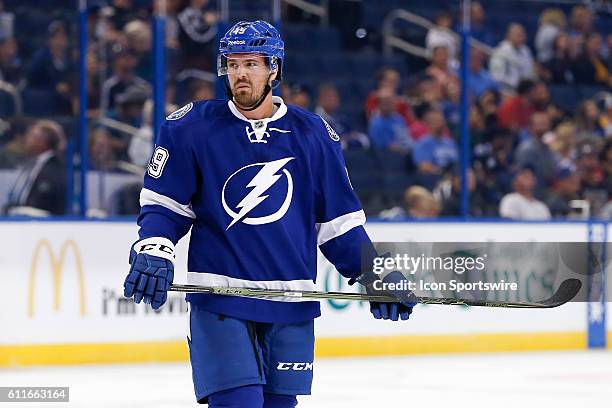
(177, 114)
(268, 182)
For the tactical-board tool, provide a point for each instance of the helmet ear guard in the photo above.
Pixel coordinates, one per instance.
(278, 66)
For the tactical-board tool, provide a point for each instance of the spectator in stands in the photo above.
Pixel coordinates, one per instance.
(101, 155)
(285, 91)
(418, 203)
(200, 90)
(559, 69)
(197, 32)
(450, 106)
(140, 146)
(451, 196)
(300, 96)
(534, 153)
(606, 160)
(7, 21)
(119, 14)
(50, 69)
(565, 188)
(511, 60)
(439, 68)
(477, 126)
(10, 64)
(172, 24)
(587, 120)
(591, 67)
(418, 128)
(606, 117)
(493, 167)
(552, 23)
(130, 105)
(96, 21)
(593, 185)
(478, 28)
(40, 187)
(328, 103)
(564, 145)
(434, 152)
(421, 203)
(93, 83)
(124, 65)
(141, 143)
(479, 77)
(388, 128)
(388, 78)
(581, 24)
(423, 90)
(138, 40)
(521, 204)
(488, 104)
(556, 114)
(515, 111)
(442, 35)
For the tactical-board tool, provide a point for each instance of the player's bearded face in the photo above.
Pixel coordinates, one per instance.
(247, 76)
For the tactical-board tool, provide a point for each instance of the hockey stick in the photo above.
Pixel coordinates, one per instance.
(567, 291)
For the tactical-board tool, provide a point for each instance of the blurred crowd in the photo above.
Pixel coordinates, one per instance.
(119, 67)
(531, 157)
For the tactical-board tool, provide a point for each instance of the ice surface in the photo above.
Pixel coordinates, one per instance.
(555, 379)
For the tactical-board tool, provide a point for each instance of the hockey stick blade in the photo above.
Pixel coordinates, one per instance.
(568, 289)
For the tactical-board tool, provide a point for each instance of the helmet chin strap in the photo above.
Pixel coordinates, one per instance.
(254, 106)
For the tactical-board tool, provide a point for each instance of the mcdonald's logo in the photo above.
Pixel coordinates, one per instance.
(57, 267)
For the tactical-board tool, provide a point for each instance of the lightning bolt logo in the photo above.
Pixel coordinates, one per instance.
(263, 180)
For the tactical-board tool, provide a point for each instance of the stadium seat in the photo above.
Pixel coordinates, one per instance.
(587, 92)
(8, 106)
(366, 178)
(565, 96)
(394, 167)
(37, 102)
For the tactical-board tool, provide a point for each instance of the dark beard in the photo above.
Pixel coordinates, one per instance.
(247, 99)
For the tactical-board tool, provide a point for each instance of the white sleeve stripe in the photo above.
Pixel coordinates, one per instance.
(213, 279)
(150, 197)
(331, 229)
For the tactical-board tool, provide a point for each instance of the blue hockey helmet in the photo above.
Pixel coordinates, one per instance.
(259, 37)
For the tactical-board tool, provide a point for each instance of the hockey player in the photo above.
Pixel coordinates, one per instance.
(261, 185)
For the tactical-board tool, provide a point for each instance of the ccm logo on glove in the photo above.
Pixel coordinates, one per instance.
(156, 246)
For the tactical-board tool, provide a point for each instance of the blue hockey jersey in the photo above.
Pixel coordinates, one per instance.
(259, 197)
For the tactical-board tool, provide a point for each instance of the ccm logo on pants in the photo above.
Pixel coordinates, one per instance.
(295, 366)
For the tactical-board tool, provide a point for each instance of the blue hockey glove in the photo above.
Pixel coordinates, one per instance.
(151, 272)
(389, 311)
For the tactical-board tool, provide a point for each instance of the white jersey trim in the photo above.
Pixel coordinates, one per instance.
(213, 279)
(150, 197)
(331, 229)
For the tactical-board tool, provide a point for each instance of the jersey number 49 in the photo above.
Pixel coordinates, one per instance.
(158, 161)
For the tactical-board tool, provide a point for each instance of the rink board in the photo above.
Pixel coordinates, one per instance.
(63, 304)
